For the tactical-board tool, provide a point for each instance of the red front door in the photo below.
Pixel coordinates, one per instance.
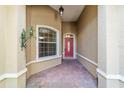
(68, 47)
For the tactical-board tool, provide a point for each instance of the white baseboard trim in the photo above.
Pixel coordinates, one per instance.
(31, 62)
(13, 75)
(92, 62)
(41, 60)
(110, 76)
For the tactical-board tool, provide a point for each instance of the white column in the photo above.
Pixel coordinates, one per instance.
(13, 73)
(109, 24)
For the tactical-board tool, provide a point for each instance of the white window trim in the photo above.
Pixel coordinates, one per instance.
(74, 45)
(37, 44)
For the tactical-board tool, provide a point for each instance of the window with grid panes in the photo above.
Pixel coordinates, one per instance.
(47, 42)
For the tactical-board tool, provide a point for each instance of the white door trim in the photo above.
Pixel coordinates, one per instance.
(74, 45)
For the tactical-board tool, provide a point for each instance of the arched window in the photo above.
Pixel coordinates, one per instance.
(46, 42)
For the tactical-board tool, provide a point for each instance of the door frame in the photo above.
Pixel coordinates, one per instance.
(74, 46)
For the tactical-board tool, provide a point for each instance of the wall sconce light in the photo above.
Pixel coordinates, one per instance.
(61, 10)
(25, 36)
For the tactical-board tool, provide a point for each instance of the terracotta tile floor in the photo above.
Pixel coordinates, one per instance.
(69, 74)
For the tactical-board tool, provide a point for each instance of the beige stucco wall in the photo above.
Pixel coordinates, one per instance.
(40, 66)
(87, 37)
(41, 15)
(69, 27)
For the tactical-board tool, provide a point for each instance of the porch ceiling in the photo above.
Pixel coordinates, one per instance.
(71, 12)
